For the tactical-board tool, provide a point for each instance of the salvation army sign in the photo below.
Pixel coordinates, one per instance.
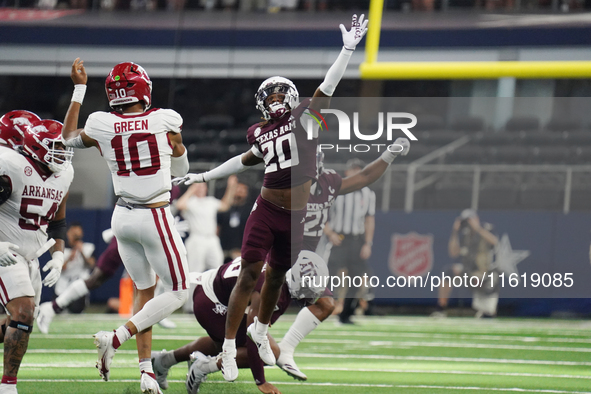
(411, 254)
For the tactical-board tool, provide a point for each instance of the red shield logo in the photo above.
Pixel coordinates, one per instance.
(411, 254)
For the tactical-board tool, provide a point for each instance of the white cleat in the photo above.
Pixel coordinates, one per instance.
(45, 317)
(148, 384)
(229, 366)
(160, 372)
(167, 323)
(104, 343)
(265, 351)
(8, 389)
(196, 374)
(286, 362)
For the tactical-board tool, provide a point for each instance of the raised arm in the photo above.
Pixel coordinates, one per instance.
(334, 74)
(72, 135)
(374, 170)
(453, 246)
(226, 202)
(235, 165)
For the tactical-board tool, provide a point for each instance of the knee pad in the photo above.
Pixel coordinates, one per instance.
(21, 326)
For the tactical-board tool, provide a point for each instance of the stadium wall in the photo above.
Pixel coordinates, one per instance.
(557, 243)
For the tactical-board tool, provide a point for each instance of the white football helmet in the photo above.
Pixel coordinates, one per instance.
(307, 278)
(277, 85)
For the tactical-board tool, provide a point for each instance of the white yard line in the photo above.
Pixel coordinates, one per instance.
(337, 369)
(357, 356)
(390, 386)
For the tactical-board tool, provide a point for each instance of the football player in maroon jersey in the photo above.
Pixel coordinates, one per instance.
(276, 223)
(210, 306)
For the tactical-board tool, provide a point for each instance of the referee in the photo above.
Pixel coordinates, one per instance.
(350, 231)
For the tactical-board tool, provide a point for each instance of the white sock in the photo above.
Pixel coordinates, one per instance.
(73, 292)
(158, 308)
(229, 345)
(168, 359)
(304, 324)
(146, 365)
(211, 366)
(260, 328)
(122, 334)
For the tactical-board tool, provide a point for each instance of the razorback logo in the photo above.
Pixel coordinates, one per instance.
(411, 254)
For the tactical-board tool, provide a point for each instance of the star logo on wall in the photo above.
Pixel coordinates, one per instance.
(506, 259)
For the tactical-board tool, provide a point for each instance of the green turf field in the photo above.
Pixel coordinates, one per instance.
(377, 355)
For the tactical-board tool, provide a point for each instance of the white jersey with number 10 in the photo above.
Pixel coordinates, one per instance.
(137, 150)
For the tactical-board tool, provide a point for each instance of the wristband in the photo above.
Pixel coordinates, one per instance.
(79, 92)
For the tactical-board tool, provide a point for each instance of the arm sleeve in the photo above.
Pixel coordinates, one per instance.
(179, 166)
(230, 167)
(335, 72)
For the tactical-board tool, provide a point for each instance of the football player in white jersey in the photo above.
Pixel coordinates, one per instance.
(143, 148)
(34, 182)
(13, 125)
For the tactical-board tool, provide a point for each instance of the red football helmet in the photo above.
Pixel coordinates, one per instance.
(43, 143)
(13, 125)
(128, 83)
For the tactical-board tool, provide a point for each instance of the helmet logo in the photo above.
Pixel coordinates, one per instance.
(117, 77)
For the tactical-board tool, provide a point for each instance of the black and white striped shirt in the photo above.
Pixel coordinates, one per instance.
(348, 213)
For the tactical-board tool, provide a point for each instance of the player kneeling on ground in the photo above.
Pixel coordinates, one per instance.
(210, 306)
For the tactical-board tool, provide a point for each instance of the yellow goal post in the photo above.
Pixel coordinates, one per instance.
(371, 68)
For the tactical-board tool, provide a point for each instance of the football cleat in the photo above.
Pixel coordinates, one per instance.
(197, 374)
(8, 389)
(160, 372)
(104, 343)
(148, 384)
(45, 317)
(229, 366)
(167, 323)
(286, 362)
(263, 344)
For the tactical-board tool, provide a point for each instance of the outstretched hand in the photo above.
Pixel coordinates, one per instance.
(78, 73)
(189, 179)
(358, 29)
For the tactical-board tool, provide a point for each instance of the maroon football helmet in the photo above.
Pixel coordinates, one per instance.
(43, 143)
(13, 125)
(128, 83)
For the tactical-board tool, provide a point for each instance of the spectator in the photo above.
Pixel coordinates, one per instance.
(231, 223)
(204, 250)
(79, 262)
(472, 243)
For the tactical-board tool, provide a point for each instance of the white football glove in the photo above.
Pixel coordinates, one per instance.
(400, 147)
(7, 257)
(358, 29)
(189, 179)
(54, 266)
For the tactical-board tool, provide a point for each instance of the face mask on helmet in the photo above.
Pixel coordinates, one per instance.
(13, 125)
(276, 85)
(43, 143)
(128, 83)
(308, 276)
